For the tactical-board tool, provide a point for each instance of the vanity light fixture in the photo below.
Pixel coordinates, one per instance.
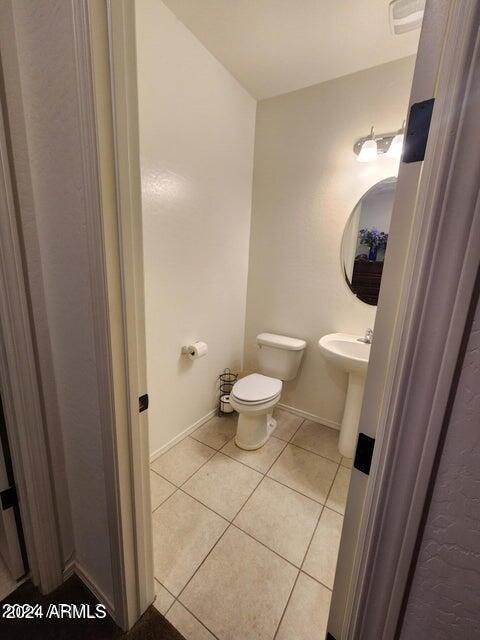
(368, 150)
(396, 146)
(372, 146)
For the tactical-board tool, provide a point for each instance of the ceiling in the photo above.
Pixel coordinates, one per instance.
(277, 46)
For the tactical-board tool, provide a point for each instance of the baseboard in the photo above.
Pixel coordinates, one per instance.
(72, 568)
(309, 416)
(69, 570)
(183, 434)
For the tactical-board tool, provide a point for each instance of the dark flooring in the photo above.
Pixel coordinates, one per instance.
(151, 626)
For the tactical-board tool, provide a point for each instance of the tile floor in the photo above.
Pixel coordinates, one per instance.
(246, 542)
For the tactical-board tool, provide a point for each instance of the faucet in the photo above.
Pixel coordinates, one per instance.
(368, 337)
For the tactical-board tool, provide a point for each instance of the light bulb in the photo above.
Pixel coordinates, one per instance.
(368, 152)
(396, 146)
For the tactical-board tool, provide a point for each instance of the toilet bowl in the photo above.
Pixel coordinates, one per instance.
(255, 396)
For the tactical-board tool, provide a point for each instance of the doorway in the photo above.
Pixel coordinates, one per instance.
(169, 181)
(245, 200)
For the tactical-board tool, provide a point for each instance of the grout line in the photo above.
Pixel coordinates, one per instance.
(203, 561)
(296, 490)
(203, 464)
(297, 429)
(200, 467)
(256, 487)
(331, 487)
(316, 579)
(264, 545)
(162, 585)
(335, 511)
(311, 537)
(319, 455)
(167, 498)
(209, 445)
(160, 475)
(168, 609)
(198, 620)
(294, 444)
(286, 606)
(250, 466)
(205, 505)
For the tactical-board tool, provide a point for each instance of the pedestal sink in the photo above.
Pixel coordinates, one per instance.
(350, 354)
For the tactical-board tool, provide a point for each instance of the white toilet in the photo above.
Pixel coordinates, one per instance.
(255, 396)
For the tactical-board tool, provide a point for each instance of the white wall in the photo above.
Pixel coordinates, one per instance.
(49, 176)
(306, 183)
(196, 146)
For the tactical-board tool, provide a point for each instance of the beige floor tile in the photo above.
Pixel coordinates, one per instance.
(321, 558)
(182, 460)
(281, 518)
(160, 489)
(319, 439)
(287, 424)
(223, 484)
(347, 462)
(241, 589)
(163, 599)
(217, 431)
(186, 624)
(306, 472)
(337, 498)
(184, 531)
(306, 616)
(260, 459)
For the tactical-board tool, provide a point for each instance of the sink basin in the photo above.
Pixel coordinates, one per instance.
(351, 355)
(346, 351)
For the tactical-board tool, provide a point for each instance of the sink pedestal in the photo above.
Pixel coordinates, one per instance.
(350, 354)
(351, 415)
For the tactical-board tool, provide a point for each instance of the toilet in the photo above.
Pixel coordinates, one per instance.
(255, 396)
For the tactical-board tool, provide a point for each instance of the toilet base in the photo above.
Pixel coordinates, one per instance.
(254, 430)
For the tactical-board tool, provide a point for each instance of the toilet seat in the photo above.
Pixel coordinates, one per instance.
(256, 389)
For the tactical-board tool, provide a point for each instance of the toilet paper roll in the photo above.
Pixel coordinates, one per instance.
(197, 350)
(225, 405)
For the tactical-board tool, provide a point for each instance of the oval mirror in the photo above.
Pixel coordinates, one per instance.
(365, 240)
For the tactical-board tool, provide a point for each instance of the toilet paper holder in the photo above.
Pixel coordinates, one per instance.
(195, 350)
(226, 381)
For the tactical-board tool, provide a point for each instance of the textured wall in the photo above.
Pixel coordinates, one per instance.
(444, 601)
(44, 35)
(306, 184)
(196, 151)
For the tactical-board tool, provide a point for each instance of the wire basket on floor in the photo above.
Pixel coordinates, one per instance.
(226, 381)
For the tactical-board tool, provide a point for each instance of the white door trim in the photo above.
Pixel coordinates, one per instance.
(22, 395)
(106, 67)
(439, 284)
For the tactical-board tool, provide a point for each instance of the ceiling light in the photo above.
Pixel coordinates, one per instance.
(369, 149)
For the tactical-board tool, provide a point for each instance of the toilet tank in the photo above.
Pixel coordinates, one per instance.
(279, 356)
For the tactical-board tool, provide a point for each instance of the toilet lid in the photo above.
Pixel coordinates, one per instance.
(256, 388)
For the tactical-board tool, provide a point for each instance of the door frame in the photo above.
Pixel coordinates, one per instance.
(112, 35)
(440, 277)
(21, 392)
(106, 68)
